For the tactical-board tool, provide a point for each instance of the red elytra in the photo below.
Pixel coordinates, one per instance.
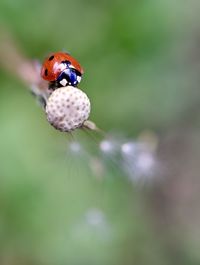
(53, 66)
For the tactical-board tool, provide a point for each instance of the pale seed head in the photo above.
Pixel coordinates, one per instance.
(67, 108)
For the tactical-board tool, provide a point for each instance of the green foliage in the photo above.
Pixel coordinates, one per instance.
(134, 55)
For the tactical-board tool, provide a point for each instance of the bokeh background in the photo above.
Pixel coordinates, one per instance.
(76, 199)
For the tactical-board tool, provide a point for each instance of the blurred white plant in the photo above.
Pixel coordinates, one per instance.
(75, 147)
(93, 225)
(138, 161)
(107, 147)
(95, 217)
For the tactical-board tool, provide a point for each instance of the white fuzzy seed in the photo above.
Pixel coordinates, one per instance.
(67, 108)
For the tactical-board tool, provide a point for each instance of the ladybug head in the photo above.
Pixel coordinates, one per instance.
(69, 76)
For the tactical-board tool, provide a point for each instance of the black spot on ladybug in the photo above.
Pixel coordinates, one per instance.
(51, 57)
(66, 62)
(46, 72)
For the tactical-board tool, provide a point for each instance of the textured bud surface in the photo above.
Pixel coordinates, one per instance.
(67, 108)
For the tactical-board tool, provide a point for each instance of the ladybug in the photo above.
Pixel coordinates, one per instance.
(61, 69)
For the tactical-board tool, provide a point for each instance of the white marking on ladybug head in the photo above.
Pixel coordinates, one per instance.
(79, 78)
(63, 82)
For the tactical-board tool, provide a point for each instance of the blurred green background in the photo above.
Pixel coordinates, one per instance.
(142, 64)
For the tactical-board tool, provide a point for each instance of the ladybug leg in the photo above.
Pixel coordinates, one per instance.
(53, 86)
